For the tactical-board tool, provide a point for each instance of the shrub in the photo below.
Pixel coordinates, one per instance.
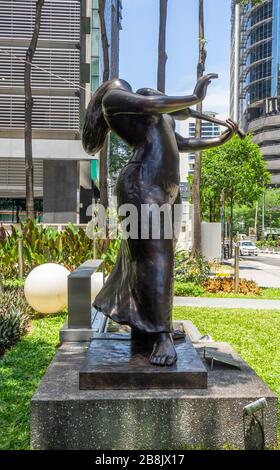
(269, 243)
(14, 317)
(10, 284)
(189, 268)
(71, 248)
(186, 289)
(226, 284)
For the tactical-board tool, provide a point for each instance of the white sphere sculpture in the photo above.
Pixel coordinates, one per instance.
(45, 288)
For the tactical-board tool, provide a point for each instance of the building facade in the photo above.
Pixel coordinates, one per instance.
(113, 17)
(255, 78)
(66, 71)
(187, 161)
(187, 129)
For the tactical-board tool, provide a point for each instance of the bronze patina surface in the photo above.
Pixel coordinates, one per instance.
(114, 362)
(139, 290)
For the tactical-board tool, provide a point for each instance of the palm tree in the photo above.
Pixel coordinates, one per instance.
(103, 159)
(28, 111)
(197, 166)
(162, 55)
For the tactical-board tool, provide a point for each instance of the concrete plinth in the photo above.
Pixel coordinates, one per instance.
(64, 417)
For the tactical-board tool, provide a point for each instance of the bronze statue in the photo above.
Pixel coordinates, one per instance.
(139, 291)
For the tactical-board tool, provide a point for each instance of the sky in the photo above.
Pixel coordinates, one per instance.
(139, 42)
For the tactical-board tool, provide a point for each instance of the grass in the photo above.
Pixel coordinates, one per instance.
(21, 369)
(255, 334)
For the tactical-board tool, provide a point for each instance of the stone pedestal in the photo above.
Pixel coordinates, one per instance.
(65, 417)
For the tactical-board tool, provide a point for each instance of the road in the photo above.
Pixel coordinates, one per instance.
(263, 269)
(272, 260)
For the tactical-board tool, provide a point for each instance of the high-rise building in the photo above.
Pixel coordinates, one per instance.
(255, 77)
(67, 69)
(187, 129)
(113, 17)
(187, 160)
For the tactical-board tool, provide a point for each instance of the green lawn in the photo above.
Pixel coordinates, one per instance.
(21, 369)
(254, 334)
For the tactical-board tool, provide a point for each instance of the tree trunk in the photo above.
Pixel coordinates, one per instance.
(211, 205)
(103, 174)
(28, 112)
(162, 55)
(103, 159)
(104, 40)
(198, 127)
(231, 224)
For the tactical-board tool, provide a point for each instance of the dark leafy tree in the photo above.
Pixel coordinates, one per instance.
(244, 2)
(120, 153)
(238, 169)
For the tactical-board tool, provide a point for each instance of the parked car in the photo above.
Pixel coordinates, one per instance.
(248, 248)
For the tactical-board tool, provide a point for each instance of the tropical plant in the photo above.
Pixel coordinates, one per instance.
(11, 284)
(110, 256)
(187, 289)
(226, 285)
(189, 268)
(14, 317)
(71, 247)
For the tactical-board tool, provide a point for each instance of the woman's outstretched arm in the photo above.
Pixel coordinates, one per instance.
(188, 113)
(117, 102)
(192, 144)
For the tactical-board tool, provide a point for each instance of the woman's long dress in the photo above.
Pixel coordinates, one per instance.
(139, 290)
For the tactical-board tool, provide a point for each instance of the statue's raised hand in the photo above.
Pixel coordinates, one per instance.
(202, 85)
(232, 129)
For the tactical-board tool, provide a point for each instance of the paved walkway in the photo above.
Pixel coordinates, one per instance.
(253, 304)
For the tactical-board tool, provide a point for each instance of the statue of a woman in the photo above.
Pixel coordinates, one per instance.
(139, 291)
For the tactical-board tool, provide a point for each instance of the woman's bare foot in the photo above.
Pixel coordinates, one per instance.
(164, 353)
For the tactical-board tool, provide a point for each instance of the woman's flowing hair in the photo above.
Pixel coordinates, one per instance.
(95, 127)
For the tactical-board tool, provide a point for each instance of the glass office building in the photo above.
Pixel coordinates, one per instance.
(255, 79)
(113, 17)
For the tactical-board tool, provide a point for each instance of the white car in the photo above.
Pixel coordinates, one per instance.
(248, 248)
